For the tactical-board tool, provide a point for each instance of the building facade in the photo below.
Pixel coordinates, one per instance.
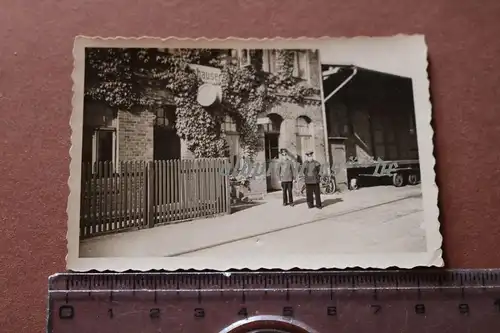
(116, 135)
(370, 115)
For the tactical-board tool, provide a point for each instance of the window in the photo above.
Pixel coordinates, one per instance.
(244, 57)
(229, 124)
(104, 149)
(271, 147)
(304, 135)
(274, 124)
(271, 136)
(384, 137)
(413, 125)
(339, 124)
(301, 65)
(269, 61)
(165, 117)
(232, 137)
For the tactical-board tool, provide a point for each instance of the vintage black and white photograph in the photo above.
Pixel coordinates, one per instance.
(219, 154)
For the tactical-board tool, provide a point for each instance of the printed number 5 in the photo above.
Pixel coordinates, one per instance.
(331, 311)
(497, 304)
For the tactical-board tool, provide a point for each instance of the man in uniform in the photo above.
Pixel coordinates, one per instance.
(287, 176)
(311, 170)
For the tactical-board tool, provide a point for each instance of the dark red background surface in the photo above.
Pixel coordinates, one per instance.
(35, 99)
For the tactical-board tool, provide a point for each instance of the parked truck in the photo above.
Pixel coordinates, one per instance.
(400, 172)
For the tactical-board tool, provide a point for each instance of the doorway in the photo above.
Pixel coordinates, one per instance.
(166, 142)
(272, 129)
(104, 150)
(271, 144)
(338, 159)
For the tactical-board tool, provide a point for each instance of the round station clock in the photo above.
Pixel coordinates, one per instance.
(208, 94)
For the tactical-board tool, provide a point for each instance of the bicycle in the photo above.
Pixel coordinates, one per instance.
(299, 187)
(327, 185)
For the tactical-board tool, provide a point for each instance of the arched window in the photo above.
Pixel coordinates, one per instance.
(271, 136)
(304, 135)
(274, 123)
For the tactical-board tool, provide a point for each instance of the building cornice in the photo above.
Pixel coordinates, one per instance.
(311, 100)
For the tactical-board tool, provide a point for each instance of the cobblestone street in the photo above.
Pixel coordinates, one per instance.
(378, 219)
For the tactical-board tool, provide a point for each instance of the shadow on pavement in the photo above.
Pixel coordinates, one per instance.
(325, 203)
(242, 206)
(329, 202)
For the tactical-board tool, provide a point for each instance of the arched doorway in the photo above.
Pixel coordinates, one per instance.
(166, 142)
(271, 147)
(304, 136)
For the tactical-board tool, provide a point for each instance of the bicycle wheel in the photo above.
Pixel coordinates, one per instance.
(299, 188)
(328, 185)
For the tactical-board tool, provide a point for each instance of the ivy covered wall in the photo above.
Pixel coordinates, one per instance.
(124, 79)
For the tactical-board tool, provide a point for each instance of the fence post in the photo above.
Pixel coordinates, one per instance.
(227, 186)
(150, 199)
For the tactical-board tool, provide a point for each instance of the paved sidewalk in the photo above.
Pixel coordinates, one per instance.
(243, 229)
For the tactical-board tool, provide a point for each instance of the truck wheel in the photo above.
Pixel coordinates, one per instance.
(398, 179)
(412, 179)
(354, 183)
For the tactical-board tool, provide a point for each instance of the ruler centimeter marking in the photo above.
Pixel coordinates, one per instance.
(314, 302)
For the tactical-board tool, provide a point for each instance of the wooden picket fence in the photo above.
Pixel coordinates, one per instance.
(138, 194)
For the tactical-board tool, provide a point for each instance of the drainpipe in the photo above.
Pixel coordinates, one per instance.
(355, 71)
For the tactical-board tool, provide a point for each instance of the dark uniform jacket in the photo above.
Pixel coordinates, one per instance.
(286, 170)
(311, 172)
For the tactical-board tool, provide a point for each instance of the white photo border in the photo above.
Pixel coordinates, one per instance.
(425, 134)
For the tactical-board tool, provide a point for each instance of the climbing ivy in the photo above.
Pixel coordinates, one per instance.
(122, 77)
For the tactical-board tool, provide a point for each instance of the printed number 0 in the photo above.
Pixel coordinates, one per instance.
(287, 311)
(463, 308)
(66, 312)
(420, 309)
(154, 313)
(199, 313)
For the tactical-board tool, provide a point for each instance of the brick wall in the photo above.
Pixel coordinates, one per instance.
(289, 112)
(288, 137)
(135, 136)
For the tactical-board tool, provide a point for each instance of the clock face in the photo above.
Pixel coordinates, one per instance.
(207, 94)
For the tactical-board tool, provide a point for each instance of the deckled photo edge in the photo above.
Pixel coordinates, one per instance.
(433, 256)
(433, 225)
(76, 123)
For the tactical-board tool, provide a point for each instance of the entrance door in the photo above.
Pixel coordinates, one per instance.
(167, 144)
(104, 149)
(338, 158)
(271, 143)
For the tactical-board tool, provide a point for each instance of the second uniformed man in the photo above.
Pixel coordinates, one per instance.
(311, 172)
